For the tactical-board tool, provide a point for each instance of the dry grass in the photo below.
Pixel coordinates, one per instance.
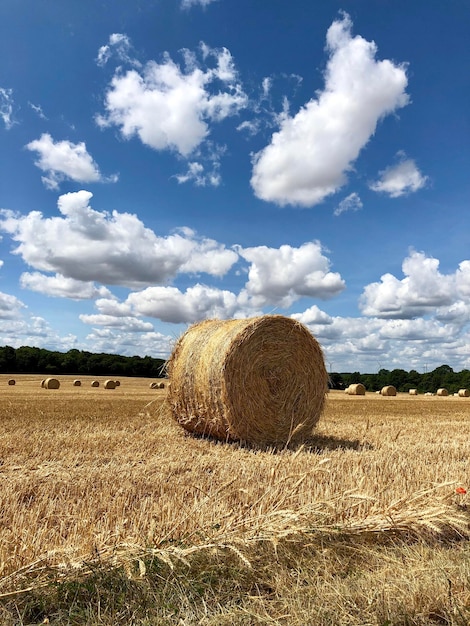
(359, 526)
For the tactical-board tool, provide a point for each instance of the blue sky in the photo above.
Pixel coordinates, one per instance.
(167, 161)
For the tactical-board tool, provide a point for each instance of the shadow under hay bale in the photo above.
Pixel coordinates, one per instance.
(388, 390)
(51, 383)
(262, 380)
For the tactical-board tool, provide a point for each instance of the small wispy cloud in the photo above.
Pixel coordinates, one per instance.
(350, 203)
(6, 107)
(400, 179)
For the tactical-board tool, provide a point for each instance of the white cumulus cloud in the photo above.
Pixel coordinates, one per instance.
(309, 156)
(169, 107)
(113, 249)
(60, 286)
(61, 160)
(400, 179)
(279, 276)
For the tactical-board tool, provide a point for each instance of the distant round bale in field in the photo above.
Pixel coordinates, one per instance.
(464, 393)
(117, 383)
(442, 392)
(153, 385)
(95, 383)
(77, 383)
(262, 380)
(12, 381)
(161, 386)
(356, 389)
(110, 384)
(388, 390)
(413, 392)
(51, 383)
(43, 383)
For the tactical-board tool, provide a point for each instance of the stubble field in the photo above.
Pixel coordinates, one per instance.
(110, 513)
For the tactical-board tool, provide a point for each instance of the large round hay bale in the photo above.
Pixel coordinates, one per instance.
(388, 390)
(110, 384)
(95, 383)
(12, 381)
(51, 383)
(356, 389)
(261, 380)
(77, 383)
(442, 392)
(464, 393)
(413, 392)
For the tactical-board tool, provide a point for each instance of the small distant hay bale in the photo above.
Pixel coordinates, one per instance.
(12, 381)
(428, 393)
(95, 383)
(413, 392)
(51, 383)
(388, 390)
(464, 393)
(117, 383)
(110, 384)
(77, 383)
(262, 380)
(442, 392)
(161, 386)
(43, 383)
(357, 389)
(153, 385)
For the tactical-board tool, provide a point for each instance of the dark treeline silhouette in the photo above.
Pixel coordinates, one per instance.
(442, 376)
(26, 360)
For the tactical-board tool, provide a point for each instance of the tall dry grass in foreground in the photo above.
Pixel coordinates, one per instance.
(359, 526)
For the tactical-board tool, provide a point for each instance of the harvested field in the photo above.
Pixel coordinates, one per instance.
(374, 501)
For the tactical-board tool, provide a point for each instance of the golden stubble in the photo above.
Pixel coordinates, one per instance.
(87, 471)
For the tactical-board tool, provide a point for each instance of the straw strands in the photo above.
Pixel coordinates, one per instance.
(388, 390)
(356, 389)
(261, 380)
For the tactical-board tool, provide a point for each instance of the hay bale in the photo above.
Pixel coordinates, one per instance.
(261, 380)
(51, 383)
(413, 392)
(442, 392)
(95, 383)
(77, 383)
(161, 386)
(464, 393)
(12, 381)
(153, 385)
(388, 390)
(357, 389)
(117, 383)
(110, 384)
(43, 383)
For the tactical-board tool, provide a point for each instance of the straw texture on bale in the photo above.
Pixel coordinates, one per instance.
(77, 383)
(12, 381)
(262, 380)
(357, 389)
(388, 390)
(110, 384)
(51, 383)
(464, 393)
(442, 392)
(413, 392)
(95, 383)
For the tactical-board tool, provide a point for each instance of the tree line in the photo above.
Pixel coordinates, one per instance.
(442, 376)
(26, 360)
